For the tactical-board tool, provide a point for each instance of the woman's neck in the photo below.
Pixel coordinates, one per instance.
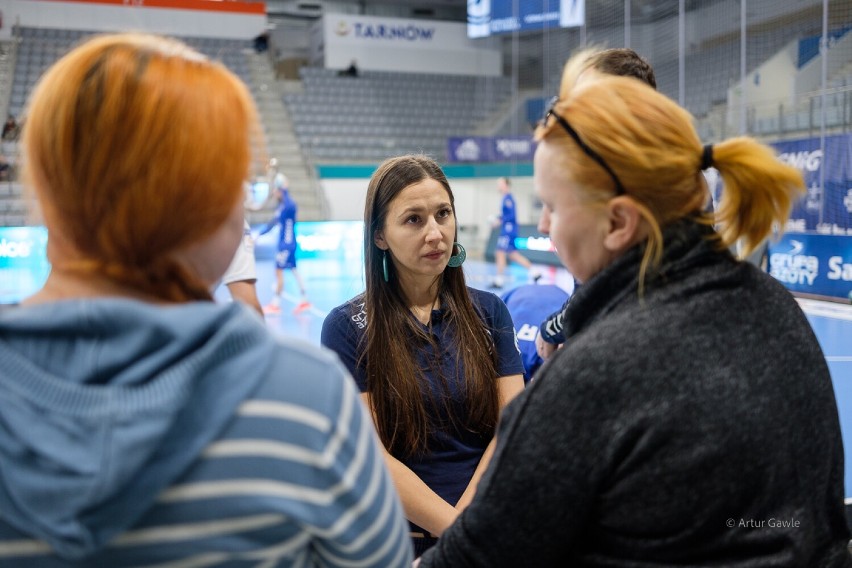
(422, 298)
(423, 312)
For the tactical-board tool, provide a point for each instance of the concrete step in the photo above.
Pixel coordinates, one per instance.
(274, 113)
(288, 143)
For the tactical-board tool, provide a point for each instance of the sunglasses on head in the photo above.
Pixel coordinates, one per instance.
(619, 189)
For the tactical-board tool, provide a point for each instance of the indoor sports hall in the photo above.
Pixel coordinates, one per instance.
(342, 85)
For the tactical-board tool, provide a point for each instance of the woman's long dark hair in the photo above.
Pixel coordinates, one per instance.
(404, 409)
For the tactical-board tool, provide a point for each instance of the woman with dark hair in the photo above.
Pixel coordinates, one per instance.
(435, 360)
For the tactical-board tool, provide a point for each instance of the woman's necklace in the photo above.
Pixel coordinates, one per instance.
(424, 316)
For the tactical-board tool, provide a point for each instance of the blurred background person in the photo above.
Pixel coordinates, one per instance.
(140, 420)
(351, 71)
(529, 304)
(620, 61)
(10, 129)
(241, 275)
(508, 223)
(285, 257)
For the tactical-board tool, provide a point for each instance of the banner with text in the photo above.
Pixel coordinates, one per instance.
(827, 211)
(491, 17)
(813, 264)
(23, 262)
(488, 149)
(402, 45)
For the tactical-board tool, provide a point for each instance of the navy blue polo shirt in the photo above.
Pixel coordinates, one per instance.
(452, 455)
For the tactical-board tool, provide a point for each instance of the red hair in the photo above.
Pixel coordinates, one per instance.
(140, 145)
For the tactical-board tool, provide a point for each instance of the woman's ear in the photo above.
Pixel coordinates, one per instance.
(626, 224)
(379, 240)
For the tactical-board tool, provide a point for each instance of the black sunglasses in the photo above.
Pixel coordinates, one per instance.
(619, 189)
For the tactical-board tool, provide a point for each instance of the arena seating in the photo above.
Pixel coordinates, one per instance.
(40, 47)
(380, 114)
(37, 49)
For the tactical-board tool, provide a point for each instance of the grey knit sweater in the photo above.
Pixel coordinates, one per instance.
(696, 426)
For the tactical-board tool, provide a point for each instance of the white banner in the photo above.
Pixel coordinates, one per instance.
(399, 44)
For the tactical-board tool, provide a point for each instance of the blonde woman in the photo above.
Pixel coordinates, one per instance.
(690, 418)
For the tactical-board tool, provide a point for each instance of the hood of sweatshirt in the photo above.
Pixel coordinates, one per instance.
(104, 403)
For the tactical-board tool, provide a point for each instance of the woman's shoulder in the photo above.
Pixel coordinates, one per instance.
(489, 304)
(348, 318)
(347, 309)
(483, 298)
(301, 373)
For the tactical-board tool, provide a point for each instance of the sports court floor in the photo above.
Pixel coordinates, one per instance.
(330, 283)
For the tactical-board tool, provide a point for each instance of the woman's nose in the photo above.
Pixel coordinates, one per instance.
(544, 221)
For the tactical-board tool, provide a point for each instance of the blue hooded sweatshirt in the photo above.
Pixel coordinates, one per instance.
(133, 434)
(103, 403)
(115, 413)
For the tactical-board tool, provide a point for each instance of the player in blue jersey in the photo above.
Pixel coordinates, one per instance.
(506, 241)
(285, 258)
(529, 305)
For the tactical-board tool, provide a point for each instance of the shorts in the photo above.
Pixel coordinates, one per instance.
(506, 242)
(286, 258)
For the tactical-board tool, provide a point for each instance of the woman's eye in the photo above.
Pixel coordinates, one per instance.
(444, 213)
(413, 219)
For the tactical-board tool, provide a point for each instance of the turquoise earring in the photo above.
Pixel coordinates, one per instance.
(457, 259)
(385, 265)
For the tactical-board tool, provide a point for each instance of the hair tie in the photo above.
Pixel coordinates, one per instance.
(707, 157)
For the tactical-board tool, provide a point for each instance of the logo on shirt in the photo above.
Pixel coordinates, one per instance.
(517, 347)
(360, 319)
(527, 332)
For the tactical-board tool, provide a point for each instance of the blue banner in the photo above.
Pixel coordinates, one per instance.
(820, 265)
(487, 17)
(827, 211)
(23, 262)
(491, 149)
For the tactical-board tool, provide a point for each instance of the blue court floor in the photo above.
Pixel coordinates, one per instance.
(330, 283)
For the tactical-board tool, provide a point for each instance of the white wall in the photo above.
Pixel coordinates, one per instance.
(103, 17)
(809, 77)
(477, 202)
(771, 84)
(397, 44)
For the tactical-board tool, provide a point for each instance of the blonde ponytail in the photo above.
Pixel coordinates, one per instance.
(759, 191)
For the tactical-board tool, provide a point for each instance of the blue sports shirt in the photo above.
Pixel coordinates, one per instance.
(453, 455)
(507, 216)
(285, 216)
(530, 305)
